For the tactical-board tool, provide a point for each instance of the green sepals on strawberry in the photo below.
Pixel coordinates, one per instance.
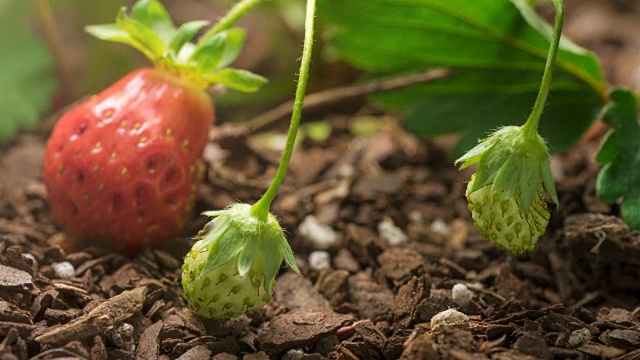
(151, 31)
(123, 166)
(506, 195)
(231, 269)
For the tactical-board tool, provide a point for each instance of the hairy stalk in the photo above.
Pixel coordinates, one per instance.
(236, 13)
(531, 126)
(261, 208)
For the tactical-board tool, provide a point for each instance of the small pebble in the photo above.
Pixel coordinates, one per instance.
(122, 337)
(30, 257)
(390, 233)
(461, 294)
(319, 236)
(346, 171)
(579, 337)
(416, 217)
(447, 317)
(293, 354)
(441, 228)
(319, 260)
(64, 270)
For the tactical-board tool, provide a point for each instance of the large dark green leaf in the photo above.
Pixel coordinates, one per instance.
(620, 155)
(496, 50)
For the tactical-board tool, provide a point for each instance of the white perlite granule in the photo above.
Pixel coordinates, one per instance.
(122, 336)
(319, 236)
(64, 270)
(461, 295)
(447, 317)
(441, 228)
(319, 260)
(579, 337)
(390, 233)
(293, 354)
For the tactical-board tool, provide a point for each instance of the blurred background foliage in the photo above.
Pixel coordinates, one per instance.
(50, 34)
(355, 41)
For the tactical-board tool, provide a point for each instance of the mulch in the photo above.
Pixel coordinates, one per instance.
(387, 208)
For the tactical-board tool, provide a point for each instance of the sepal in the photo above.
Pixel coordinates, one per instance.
(150, 30)
(514, 162)
(237, 79)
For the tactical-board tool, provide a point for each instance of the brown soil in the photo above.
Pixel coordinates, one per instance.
(573, 297)
(403, 240)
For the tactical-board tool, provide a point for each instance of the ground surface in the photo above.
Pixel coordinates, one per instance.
(403, 240)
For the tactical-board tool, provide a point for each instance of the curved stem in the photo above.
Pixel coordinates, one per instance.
(54, 40)
(232, 17)
(261, 208)
(531, 126)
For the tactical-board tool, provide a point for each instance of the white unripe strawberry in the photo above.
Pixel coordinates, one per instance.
(506, 195)
(504, 223)
(231, 269)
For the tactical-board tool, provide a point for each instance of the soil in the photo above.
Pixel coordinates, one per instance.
(389, 210)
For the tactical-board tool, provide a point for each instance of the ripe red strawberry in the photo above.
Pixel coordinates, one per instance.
(123, 165)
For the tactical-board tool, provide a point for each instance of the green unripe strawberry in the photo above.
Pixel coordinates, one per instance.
(501, 220)
(223, 292)
(231, 269)
(506, 195)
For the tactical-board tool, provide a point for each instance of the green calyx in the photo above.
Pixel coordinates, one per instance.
(257, 244)
(513, 162)
(150, 29)
(515, 159)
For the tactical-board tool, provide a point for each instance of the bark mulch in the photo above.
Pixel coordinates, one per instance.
(388, 211)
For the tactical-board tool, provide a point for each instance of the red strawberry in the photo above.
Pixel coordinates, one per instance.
(123, 165)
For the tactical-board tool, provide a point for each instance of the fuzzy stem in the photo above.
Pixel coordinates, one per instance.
(261, 208)
(232, 17)
(530, 128)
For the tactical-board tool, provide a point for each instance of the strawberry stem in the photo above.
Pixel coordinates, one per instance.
(231, 17)
(261, 208)
(530, 128)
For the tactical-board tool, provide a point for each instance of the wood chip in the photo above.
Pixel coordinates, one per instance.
(300, 328)
(14, 279)
(149, 344)
(196, 353)
(23, 329)
(109, 313)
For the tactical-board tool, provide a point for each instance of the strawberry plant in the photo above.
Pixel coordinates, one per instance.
(495, 52)
(506, 195)
(123, 166)
(231, 269)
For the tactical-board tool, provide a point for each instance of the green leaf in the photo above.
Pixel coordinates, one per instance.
(113, 33)
(208, 54)
(27, 78)
(152, 14)
(185, 33)
(234, 42)
(218, 51)
(495, 49)
(620, 155)
(141, 33)
(237, 79)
